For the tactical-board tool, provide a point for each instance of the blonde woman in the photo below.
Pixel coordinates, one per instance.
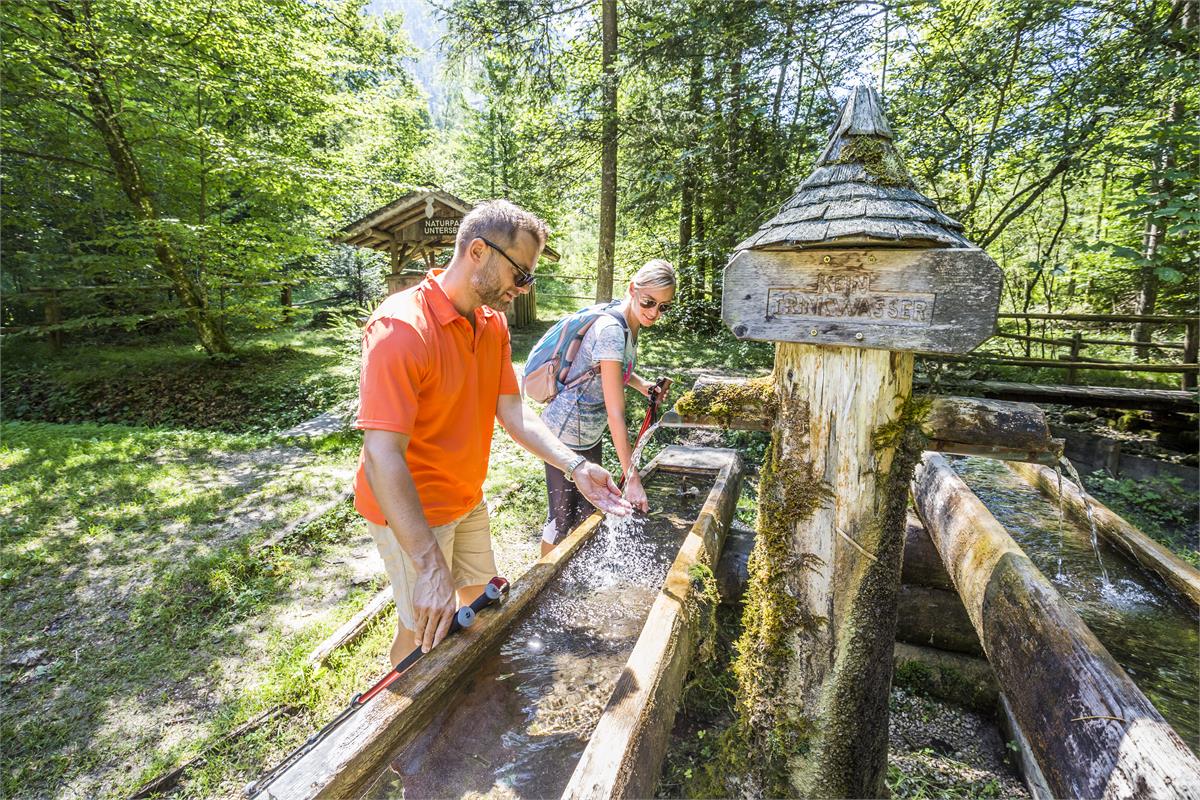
(579, 414)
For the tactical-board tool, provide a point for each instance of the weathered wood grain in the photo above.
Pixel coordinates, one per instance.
(1148, 554)
(1093, 732)
(935, 618)
(922, 563)
(934, 300)
(624, 755)
(962, 679)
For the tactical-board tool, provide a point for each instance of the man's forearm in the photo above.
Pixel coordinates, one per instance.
(527, 430)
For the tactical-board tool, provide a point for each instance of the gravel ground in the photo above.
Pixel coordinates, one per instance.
(941, 750)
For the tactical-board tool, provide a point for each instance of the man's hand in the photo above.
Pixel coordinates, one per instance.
(597, 486)
(636, 494)
(433, 600)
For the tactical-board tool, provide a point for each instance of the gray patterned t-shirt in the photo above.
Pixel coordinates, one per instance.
(577, 415)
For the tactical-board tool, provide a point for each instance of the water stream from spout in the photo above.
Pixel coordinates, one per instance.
(1087, 506)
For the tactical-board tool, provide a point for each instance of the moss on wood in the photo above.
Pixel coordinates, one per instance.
(724, 402)
(879, 158)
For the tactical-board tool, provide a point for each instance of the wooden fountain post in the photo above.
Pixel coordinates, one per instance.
(856, 272)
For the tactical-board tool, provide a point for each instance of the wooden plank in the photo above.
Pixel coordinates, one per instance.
(922, 564)
(1124, 366)
(1093, 732)
(352, 628)
(935, 618)
(1087, 396)
(1148, 554)
(1035, 781)
(1128, 318)
(932, 300)
(624, 755)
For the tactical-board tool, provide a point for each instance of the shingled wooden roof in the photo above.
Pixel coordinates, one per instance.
(859, 192)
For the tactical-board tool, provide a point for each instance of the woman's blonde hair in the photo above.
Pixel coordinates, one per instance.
(656, 273)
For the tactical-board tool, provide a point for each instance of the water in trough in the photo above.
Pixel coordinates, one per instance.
(1151, 633)
(517, 726)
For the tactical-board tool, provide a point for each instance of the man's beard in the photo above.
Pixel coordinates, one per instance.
(486, 283)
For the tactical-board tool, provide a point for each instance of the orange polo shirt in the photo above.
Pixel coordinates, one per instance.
(427, 374)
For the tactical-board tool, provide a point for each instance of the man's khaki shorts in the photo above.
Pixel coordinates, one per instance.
(466, 545)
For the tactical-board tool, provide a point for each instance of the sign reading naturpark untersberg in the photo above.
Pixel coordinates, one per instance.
(929, 300)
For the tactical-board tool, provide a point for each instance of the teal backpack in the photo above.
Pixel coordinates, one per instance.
(550, 359)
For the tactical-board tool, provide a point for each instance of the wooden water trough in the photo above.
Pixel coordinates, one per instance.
(1141, 549)
(626, 749)
(1090, 729)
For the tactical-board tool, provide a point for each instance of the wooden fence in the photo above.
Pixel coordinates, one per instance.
(1067, 337)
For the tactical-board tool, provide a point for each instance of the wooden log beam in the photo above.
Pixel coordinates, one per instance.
(922, 563)
(935, 618)
(624, 755)
(1148, 554)
(962, 425)
(965, 680)
(1093, 732)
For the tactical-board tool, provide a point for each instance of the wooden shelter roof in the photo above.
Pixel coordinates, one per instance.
(398, 222)
(859, 192)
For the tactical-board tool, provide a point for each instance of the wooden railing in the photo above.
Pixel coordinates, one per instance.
(1073, 339)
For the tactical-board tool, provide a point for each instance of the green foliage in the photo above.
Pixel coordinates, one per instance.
(247, 141)
(1161, 507)
(277, 381)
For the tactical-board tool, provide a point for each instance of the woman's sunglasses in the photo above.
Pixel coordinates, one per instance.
(649, 303)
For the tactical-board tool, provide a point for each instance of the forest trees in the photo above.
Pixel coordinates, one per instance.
(201, 146)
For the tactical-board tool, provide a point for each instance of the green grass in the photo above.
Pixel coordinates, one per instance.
(127, 565)
(277, 380)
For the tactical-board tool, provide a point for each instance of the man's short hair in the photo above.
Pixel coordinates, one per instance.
(499, 220)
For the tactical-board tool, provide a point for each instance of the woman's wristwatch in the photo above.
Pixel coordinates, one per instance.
(572, 465)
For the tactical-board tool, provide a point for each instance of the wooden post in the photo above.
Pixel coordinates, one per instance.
(856, 272)
(1191, 353)
(1076, 346)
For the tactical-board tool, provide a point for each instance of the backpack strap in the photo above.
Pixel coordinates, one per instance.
(611, 311)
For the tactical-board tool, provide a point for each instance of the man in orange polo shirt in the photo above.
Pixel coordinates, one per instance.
(436, 374)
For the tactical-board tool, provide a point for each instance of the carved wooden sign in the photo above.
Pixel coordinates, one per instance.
(937, 301)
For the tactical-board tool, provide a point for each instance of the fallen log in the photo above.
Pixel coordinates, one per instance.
(935, 618)
(1148, 554)
(963, 425)
(625, 752)
(1092, 731)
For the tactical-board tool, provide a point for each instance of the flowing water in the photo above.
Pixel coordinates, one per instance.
(1151, 633)
(517, 726)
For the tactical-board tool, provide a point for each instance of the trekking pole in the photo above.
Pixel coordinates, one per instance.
(657, 394)
(495, 590)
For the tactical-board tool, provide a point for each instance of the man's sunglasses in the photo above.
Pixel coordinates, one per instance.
(649, 303)
(524, 276)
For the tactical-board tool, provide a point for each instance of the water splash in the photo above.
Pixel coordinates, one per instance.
(1087, 507)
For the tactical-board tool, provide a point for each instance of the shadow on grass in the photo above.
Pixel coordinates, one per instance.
(122, 589)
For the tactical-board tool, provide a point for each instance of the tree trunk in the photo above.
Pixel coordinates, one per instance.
(608, 152)
(129, 175)
(815, 667)
(1153, 232)
(687, 201)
